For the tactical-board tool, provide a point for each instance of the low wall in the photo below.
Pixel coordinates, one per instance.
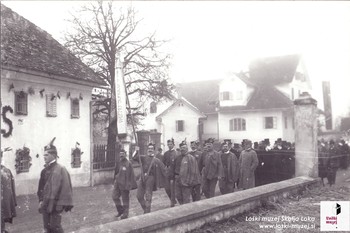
(104, 176)
(194, 215)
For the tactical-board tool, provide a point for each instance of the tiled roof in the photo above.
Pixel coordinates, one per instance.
(273, 70)
(264, 97)
(202, 94)
(25, 45)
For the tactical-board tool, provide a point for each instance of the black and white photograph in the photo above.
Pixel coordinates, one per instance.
(175, 116)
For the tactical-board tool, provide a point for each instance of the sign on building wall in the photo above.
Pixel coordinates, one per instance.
(120, 98)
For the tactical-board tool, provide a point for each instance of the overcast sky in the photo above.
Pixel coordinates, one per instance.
(211, 39)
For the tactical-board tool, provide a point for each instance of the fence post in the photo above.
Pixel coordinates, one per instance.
(306, 153)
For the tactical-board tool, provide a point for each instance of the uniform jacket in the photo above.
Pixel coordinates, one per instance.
(125, 176)
(189, 173)
(55, 188)
(198, 155)
(169, 160)
(248, 162)
(8, 195)
(230, 167)
(157, 170)
(212, 165)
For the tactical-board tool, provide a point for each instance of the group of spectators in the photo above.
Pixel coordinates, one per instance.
(333, 155)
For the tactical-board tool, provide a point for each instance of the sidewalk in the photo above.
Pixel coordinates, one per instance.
(94, 205)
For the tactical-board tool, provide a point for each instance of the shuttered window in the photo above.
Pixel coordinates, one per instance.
(21, 103)
(75, 108)
(51, 106)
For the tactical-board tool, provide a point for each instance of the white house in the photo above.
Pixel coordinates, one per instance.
(253, 105)
(49, 91)
(173, 118)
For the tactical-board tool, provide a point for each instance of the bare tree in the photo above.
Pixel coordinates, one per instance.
(100, 34)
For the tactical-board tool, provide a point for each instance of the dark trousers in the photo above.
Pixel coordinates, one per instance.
(123, 204)
(144, 193)
(2, 224)
(331, 175)
(196, 192)
(226, 187)
(183, 193)
(170, 191)
(209, 187)
(52, 222)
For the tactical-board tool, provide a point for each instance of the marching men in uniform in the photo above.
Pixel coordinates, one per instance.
(153, 176)
(168, 160)
(212, 170)
(186, 173)
(196, 191)
(248, 162)
(124, 181)
(230, 168)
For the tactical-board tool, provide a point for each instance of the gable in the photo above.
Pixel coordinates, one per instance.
(25, 45)
(184, 106)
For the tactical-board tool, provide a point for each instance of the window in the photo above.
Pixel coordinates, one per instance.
(237, 124)
(23, 160)
(153, 107)
(226, 95)
(21, 103)
(180, 126)
(286, 122)
(51, 106)
(75, 108)
(76, 158)
(270, 122)
(292, 94)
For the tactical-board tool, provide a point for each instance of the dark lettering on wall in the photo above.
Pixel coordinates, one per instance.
(7, 121)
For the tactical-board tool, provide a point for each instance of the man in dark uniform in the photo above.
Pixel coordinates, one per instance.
(8, 194)
(186, 174)
(332, 163)
(54, 192)
(168, 160)
(153, 176)
(248, 162)
(230, 168)
(124, 181)
(196, 191)
(212, 170)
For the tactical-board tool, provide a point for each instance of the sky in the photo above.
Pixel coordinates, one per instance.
(210, 39)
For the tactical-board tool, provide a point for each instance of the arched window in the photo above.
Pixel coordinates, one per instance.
(153, 107)
(237, 124)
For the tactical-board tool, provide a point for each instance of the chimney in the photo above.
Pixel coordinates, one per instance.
(327, 103)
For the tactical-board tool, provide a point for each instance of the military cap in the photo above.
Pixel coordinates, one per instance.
(50, 148)
(209, 140)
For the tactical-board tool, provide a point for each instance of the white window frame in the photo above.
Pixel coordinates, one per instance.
(237, 124)
(21, 103)
(274, 122)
